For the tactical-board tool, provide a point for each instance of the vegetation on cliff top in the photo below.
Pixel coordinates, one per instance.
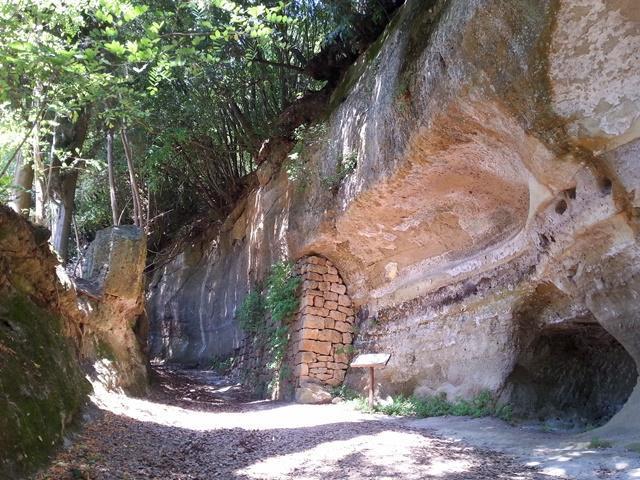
(151, 111)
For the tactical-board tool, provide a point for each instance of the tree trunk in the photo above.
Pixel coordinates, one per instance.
(23, 183)
(62, 184)
(38, 165)
(135, 193)
(112, 181)
(62, 204)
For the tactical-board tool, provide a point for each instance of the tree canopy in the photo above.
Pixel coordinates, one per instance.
(154, 111)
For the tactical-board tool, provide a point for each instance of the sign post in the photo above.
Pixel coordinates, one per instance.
(371, 361)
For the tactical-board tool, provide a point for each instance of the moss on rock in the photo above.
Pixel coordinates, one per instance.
(41, 385)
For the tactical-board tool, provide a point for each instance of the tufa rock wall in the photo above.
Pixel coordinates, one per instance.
(111, 293)
(54, 335)
(41, 385)
(487, 224)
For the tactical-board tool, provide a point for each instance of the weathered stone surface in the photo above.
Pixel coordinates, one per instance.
(493, 212)
(312, 393)
(113, 269)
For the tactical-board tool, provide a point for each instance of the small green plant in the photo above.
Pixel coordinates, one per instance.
(348, 350)
(264, 314)
(345, 166)
(251, 313)
(296, 166)
(600, 443)
(634, 447)
(482, 405)
(344, 392)
(221, 365)
(282, 286)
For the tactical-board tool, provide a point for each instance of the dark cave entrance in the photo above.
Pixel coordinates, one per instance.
(573, 374)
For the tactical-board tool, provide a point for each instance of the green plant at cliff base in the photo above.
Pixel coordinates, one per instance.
(251, 313)
(222, 365)
(264, 314)
(600, 443)
(482, 405)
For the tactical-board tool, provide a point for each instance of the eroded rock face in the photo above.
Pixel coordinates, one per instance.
(50, 327)
(41, 385)
(111, 295)
(493, 205)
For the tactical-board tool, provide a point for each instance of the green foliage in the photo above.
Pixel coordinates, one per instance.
(345, 166)
(600, 443)
(296, 166)
(251, 314)
(345, 392)
(482, 405)
(222, 365)
(282, 284)
(264, 314)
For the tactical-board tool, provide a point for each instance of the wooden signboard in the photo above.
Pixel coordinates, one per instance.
(371, 361)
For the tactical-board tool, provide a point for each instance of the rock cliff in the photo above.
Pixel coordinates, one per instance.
(55, 335)
(476, 187)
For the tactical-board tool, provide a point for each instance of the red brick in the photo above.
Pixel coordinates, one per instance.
(347, 338)
(321, 312)
(305, 357)
(346, 310)
(316, 277)
(330, 336)
(329, 305)
(332, 278)
(313, 321)
(338, 316)
(331, 296)
(321, 269)
(344, 327)
(344, 300)
(316, 260)
(310, 334)
(319, 302)
(337, 288)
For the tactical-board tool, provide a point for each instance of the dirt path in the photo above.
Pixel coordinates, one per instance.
(196, 426)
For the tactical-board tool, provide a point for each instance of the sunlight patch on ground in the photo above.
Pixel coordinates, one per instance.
(385, 455)
(265, 415)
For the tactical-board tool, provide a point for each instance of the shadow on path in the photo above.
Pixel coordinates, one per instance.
(196, 426)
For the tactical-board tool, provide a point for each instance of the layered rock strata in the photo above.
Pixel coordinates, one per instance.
(488, 221)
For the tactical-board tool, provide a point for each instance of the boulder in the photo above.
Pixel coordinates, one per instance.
(312, 393)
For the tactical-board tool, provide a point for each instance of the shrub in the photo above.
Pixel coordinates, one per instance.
(482, 405)
(345, 166)
(600, 443)
(264, 313)
(251, 313)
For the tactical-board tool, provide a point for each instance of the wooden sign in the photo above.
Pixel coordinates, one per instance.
(371, 361)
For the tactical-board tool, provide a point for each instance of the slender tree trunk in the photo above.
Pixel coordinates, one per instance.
(62, 204)
(62, 183)
(112, 181)
(135, 193)
(23, 183)
(38, 165)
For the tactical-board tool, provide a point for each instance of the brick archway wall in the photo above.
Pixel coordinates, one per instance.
(323, 329)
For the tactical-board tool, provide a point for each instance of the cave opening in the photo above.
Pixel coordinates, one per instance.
(571, 375)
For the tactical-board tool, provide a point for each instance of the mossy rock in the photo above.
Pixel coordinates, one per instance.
(41, 385)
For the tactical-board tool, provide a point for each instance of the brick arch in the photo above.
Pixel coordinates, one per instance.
(323, 329)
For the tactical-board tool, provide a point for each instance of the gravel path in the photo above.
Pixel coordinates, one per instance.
(195, 426)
